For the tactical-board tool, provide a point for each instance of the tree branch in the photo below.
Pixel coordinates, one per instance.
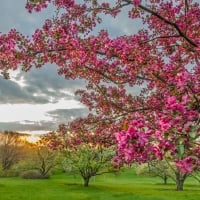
(170, 23)
(161, 37)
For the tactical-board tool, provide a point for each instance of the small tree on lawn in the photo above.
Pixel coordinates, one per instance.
(89, 161)
(45, 159)
(156, 168)
(85, 153)
(164, 169)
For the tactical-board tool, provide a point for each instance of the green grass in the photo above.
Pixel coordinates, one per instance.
(126, 186)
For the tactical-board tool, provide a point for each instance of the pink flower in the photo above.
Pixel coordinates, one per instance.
(136, 2)
(185, 165)
(171, 100)
(164, 124)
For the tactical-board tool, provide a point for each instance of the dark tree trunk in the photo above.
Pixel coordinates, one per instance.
(179, 181)
(86, 181)
(165, 180)
(179, 185)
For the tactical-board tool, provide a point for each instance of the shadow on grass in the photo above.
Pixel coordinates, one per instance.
(172, 188)
(73, 184)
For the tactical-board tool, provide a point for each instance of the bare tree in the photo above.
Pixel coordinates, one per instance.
(45, 160)
(10, 149)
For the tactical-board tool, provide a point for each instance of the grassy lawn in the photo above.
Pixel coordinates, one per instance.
(126, 186)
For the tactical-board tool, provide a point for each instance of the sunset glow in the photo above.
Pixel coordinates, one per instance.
(33, 138)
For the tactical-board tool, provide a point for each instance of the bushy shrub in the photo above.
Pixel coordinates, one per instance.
(33, 174)
(8, 173)
(17, 169)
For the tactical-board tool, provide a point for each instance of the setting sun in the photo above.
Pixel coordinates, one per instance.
(33, 138)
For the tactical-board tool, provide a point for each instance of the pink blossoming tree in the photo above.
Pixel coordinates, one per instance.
(162, 58)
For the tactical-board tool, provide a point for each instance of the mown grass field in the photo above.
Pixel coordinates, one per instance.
(126, 186)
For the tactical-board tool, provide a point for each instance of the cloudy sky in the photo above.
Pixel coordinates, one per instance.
(38, 100)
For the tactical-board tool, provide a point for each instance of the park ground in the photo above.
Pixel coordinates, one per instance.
(124, 186)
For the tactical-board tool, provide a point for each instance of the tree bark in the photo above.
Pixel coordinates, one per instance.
(86, 181)
(179, 185)
(179, 182)
(165, 180)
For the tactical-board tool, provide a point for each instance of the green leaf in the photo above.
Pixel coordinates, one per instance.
(181, 149)
(193, 135)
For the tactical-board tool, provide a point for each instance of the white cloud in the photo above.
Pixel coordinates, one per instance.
(21, 82)
(38, 132)
(34, 112)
